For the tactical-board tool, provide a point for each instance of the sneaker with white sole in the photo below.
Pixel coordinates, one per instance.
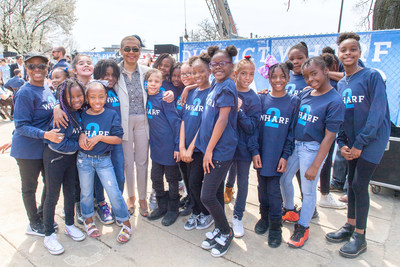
(191, 222)
(35, 229)
(210, 242)
(237, 226)
(204, 221)
(103, 213)
(53, 246)
(223, 244)
(327, 201)
(74, 232)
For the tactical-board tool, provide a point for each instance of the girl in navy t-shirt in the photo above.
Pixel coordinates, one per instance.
(60, 166)
(249, 111)
(362, 139)
(298, 54)
(271, 151)
(192, 158)
(217, 140)
(164, 124)
(101, 130)
(321, 113)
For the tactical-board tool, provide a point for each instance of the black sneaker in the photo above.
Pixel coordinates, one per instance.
(223, 244)
(35, 229)
(210, 241)
(315, 214)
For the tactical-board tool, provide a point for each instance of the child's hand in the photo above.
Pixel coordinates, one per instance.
(345, 151)
(257, 162)
(355, 153)
(240, 102)
(169, 96)
(282, 165)
(207, 161)
(92, 141)
(182, 152)
(187, 156)
(263, 92)
(83, 141)
(311, 173)
(60, 117)
(177, 157)
(54, 136)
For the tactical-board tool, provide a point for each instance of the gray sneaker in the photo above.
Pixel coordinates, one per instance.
(204, 221)
(191, 222)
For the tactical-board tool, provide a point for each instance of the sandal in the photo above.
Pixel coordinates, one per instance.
(144, 211)
(125, 232)
(91, 230)
(131, 209)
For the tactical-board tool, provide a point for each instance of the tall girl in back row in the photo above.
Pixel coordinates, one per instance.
(362, 139)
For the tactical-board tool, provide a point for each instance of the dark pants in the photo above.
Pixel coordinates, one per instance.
(239, 168)
(184, 169)
(325, 176)
(196, 177)
(230, 182)
(212, 194)
(360, 173)
(340, 170)
(60, 170)
(29, 170)
(172, 176)
(269, 195)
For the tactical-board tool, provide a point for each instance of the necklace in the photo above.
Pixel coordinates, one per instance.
(351, 75)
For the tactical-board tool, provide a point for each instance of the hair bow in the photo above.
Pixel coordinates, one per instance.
(269, 62)
(247, 57)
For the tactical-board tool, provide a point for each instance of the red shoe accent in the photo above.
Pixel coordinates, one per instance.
(299, 237)
(290, 216)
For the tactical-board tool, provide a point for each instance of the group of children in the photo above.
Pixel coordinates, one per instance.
(220, 125)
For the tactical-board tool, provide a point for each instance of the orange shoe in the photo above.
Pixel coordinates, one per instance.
(228, 194)
(290, 216)
(299, 237)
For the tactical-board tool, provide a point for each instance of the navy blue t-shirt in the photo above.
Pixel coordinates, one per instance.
(317, 113)
(367, 120)
(113, 101)
(164, 125)
(221, 95)
(107, 123)
(192, 112)
(33, 110)
(71, 135)
(296, 84)
(276, 131)
(334, 84)
(14, 82)
(248, 117)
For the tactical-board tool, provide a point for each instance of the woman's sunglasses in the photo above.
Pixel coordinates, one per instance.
(39, 66)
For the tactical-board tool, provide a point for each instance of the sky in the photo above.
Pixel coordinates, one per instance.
(101, 24)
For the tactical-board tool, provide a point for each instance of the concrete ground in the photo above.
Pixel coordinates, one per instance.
(155, 245)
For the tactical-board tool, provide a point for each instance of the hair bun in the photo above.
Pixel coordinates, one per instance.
(212, 50)
(231, 50)
(304, 44)
(289, 64)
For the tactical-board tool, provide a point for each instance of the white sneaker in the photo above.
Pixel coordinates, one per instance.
(52, 244)
(73, 232)
(327, 201)
(237, 226)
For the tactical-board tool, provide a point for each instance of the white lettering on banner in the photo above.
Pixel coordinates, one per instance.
(378, 50)
(252, 49)
(264, 51)
(186, 55)
(283, 55)
(364, 51)
(316, 51)
(237, 58)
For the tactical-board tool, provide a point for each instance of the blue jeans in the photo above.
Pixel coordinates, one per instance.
(241, 168)
(117, 159)
(87, 166)
(302, 158)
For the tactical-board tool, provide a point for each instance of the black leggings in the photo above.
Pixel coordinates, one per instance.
(360, 173)
(325, 176)
(29, 170)
(212, 194)
(172, 176)
(60, 170)
(196, 177)
(269, 196)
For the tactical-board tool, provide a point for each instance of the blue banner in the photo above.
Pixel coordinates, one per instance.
(380, 50)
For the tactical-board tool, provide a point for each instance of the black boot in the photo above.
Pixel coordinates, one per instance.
(343, 234)
(161, 210)
(172, 213)
(354, 247)
(262, 224)
(275, 234)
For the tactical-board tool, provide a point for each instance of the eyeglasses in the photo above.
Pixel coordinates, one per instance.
(183, 74)
(39, 66)
(128, 49)
(55, 51)
(221, 64)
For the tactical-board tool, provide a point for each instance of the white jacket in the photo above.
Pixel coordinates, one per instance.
(122, 92)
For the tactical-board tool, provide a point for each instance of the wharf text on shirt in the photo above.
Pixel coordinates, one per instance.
(305, 116)
(195, 108)
(151, 112)
(349, 99)
(93, 129)
(51, 102)
(273, 118)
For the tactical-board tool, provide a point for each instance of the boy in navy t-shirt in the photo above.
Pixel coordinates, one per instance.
(164, 125)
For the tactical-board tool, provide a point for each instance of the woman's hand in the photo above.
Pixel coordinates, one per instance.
(257, 162)
(282, 165)
(169, 96)
(311, 173)
(207, 161)
(54, 136)
(60, 118)
(345, 151)
(177, 157)
(355, 153)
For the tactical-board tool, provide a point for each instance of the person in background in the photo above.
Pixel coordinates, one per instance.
(19, 65)
(4, 71)
(15, 82)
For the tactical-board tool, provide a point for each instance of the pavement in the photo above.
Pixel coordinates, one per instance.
(155, 245)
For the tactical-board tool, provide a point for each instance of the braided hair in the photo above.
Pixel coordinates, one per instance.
(64, 89)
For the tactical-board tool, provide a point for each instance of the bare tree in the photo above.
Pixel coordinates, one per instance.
(206, 32)
(26, 25)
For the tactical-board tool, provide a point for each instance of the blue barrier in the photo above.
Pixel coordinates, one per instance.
(380, 50)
